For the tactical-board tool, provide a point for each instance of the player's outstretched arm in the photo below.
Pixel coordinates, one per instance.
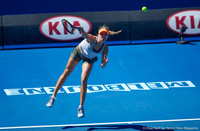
(90, 38)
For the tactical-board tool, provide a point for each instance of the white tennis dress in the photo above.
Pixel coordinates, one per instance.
(88, 51)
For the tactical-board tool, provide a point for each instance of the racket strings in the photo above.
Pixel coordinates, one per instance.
(68, 27)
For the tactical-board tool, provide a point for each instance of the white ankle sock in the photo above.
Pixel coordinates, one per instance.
(53, 97)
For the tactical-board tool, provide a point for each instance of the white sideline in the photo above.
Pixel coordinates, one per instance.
(92, 124)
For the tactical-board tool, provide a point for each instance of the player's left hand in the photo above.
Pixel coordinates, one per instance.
(105, 61)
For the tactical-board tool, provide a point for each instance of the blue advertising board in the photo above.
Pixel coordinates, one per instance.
(13, 7)
(1, 34)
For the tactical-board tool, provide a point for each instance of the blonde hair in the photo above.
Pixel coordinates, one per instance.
(110, 32)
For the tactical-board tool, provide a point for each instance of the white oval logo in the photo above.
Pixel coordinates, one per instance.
(188, 18)
(52, 28)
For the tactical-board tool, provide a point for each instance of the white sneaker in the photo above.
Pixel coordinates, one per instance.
(51, 101)
(80, 112)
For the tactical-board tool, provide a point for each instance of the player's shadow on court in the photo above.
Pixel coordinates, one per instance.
(118, 127)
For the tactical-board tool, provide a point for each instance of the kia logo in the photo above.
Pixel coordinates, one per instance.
(52, 28)
(188, 18)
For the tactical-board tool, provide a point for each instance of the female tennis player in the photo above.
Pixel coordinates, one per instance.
(87, 51)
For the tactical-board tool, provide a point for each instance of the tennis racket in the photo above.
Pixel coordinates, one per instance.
(68, 26)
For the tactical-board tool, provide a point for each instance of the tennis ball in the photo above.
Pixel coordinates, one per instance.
(144, 8)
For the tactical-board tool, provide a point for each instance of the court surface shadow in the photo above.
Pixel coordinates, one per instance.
(118, 127)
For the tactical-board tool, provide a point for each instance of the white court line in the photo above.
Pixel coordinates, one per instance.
(97, 124)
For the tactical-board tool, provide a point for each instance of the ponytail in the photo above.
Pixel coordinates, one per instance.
(114, 33)
(110, 32)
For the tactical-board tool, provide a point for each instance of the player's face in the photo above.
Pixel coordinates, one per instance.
(103, 36)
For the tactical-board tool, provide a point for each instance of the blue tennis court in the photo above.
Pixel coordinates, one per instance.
(143, 87)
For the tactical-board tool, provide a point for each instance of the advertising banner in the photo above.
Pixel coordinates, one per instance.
(1, 34)
(152, 26)
(46, 30)
(164, 25)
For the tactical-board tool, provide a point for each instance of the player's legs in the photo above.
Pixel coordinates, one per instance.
(86, 69)
(68, 70)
